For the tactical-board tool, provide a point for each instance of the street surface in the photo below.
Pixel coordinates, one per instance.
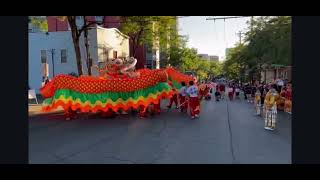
(226, 133)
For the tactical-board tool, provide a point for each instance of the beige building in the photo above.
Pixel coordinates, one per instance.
(214, 58)
(274, 71)
(111, 44)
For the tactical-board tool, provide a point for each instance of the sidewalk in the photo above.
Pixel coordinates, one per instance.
(35, 109)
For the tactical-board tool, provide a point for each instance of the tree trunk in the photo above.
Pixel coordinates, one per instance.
(260, 70)
(134, 48)
(78, 56)
(88, 59)
(75, 39)
(135, 42)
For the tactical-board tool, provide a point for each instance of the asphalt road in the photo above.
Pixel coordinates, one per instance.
(226, 133)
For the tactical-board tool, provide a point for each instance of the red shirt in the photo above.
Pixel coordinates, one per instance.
(288, 95)
(221, 87)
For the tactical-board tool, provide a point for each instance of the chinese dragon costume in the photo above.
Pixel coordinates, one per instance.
(118, 86)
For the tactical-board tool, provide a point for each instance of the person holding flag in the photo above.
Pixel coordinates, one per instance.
(194, 102)
(182, 97)
(174, 97)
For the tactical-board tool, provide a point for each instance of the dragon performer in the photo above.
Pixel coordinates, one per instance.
(178, 81)
(270, 108)
(119, 86)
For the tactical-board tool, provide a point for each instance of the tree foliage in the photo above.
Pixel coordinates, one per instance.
(40, 22)
(146, 30)
(267, 42)
(190, 61)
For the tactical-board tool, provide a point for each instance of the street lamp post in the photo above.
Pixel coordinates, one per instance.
(52, 59)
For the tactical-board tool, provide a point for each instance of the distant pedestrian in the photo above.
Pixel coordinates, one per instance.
(222, 90)
(231, 92)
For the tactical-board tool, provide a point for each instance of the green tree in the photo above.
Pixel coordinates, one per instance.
(145, 30)
(176, 51)
(189, 59)
(267, 42)
(40, 22)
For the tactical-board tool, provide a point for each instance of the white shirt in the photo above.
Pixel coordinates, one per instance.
(192, 91)
(183, 90)
(280, 82)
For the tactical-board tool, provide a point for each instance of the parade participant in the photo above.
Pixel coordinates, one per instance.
(222, 90)
(280, 84)
(288, 99)
(108, 114)
(257, 102)
(212, 86)
(202, 88)
(247, 91)
(270, 107)
(217, 93)
(70, 114)
(262, 94)
(281, 99)
(208, 91)
(155, 108)
(143, 110)
(253, 92)
(237, 90)
(182, 97)
(194, 102)
(230, 92)
(174, 98)
(46, 80)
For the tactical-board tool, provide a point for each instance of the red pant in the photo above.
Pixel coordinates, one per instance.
(230, 95)
(69, 113)
(156, 108)
(194, 104)
(143, 111)
(184, 106)
(174, 99)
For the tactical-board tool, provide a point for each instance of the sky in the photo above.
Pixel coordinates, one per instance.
(209, 36)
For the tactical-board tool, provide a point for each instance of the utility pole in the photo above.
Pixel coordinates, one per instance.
(155, 48)
(52, 59)
(232, 17)
(224, 18)
(240, 33)
(251, 23)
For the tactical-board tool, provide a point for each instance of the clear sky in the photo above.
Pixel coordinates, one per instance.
(209, 36)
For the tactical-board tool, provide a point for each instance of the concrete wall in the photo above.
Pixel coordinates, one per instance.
(98, 37)
(55, 40)
(42, 41)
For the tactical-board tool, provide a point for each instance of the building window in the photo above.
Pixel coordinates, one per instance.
(79, 21)
(286, 74)
(79, 18)
(99, 18)
(105, 55)
(63, 56)
(149, 49)
(101, 65)
(115, 54)
(43, 56)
